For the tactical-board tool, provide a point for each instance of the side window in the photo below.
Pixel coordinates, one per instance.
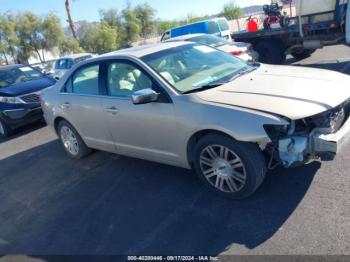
(61, 64)
(84, 81)
(213, 27)
(124, 79)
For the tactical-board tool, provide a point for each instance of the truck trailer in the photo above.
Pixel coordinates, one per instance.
(318, 23)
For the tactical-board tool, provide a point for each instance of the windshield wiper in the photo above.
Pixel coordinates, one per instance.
(242, 72)
(203, 88)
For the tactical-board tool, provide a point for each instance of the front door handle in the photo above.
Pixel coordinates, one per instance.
(113, 110)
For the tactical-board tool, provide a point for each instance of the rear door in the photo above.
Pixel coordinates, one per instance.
(81, 105)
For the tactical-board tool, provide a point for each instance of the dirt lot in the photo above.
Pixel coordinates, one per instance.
(107, 204)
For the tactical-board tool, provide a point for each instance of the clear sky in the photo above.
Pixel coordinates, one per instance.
(88, 9)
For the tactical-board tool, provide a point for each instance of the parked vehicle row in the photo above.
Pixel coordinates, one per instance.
(193, 106)
(241, 50)
(20, 88)
(202, 32)
(63, 64)
(217, 26)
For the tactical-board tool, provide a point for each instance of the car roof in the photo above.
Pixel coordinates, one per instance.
(74, 56)
(144, 50)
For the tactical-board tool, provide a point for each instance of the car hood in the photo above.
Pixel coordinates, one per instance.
(27, 87)
(293, 92)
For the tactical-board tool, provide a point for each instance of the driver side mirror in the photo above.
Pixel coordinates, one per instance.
(144, 96)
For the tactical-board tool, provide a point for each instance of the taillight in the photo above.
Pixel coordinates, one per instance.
(236, 52)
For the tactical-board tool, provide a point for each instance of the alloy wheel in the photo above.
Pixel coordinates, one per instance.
(2, 129)
(223, 168)
(69, 140)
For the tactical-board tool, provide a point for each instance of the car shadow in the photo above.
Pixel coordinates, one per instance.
(107, 204)
(23, 131)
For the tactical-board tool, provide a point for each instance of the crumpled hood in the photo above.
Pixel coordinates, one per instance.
(290, 91)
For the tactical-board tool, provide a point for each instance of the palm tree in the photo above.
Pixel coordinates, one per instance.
(70, 20)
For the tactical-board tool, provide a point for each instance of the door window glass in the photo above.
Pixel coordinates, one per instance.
(125, 79)
(85, 81)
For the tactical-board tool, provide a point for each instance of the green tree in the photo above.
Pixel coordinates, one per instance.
(100, 39)
(52, 34)
(145, 15)
(28, 30)
(8, 37)
(112, 17)
(231, 11)
(68, 46)
(131, 26)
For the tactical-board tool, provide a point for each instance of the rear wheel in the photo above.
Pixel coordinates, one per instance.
(72, 141)
(4, 129)
(271, 52)
(230, 168)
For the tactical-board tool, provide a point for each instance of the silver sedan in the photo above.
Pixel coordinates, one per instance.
(192, 106)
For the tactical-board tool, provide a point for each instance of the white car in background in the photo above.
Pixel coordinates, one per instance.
(63, 64)
(242, 50)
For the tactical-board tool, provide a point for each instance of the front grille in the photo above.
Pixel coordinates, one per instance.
(32, 98)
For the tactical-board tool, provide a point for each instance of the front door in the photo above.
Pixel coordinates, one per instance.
(142, 131)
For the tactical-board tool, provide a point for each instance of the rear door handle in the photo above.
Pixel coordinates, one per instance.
(112, 110)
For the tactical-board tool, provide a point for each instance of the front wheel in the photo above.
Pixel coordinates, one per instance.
(4, 129)
(72, 141)
(230, 168)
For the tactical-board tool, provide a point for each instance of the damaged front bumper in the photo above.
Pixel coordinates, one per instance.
(321, 143)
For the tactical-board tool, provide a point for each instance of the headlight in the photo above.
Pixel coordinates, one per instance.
(10, 100)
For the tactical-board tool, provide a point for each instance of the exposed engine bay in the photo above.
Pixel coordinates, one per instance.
(304, 140)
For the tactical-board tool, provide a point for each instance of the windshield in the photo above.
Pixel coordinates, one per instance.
(17, 75)
(210, 40)
(191, 68)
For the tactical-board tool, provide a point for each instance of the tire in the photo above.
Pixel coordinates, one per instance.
(302, 54)
(237, 177)
(71, 141)
(271, 52)
(5, 130)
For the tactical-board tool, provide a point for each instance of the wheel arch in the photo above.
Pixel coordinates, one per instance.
(56, 122)
(196, 137)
